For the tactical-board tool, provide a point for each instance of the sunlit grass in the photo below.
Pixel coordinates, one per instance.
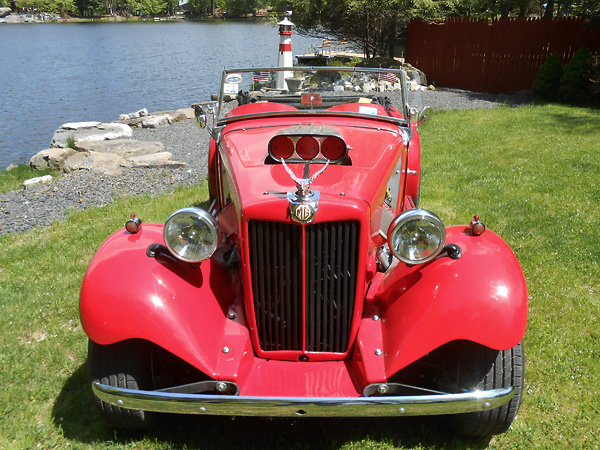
(532, 174)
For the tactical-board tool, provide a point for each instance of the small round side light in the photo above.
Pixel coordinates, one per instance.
(477, 227)
(134, 224)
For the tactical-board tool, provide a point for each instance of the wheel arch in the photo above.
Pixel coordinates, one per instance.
(183, 309)
(480, 297)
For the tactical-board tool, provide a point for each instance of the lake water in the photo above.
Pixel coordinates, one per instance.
(51, 74)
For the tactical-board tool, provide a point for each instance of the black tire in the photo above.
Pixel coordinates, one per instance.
(483, 368)
(125, 364)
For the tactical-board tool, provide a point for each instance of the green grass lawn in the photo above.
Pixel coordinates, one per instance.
(532, 174)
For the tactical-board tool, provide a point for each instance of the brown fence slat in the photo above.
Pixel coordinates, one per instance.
(501, 56)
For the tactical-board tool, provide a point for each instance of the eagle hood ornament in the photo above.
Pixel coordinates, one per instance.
(303, 202)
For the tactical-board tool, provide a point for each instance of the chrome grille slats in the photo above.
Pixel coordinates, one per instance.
(326, 254)
(276, 261)
(332, 249)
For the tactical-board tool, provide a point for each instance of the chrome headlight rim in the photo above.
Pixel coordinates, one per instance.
(203, 217)
(403, 220)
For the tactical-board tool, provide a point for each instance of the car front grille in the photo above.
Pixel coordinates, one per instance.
(303, 284)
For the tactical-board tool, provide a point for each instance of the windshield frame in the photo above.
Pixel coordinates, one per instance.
(221, 119)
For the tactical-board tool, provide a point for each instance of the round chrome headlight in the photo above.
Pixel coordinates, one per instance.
(416, 236)
(191, 234)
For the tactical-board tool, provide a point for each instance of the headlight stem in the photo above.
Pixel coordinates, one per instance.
(156, 249)
(452, 250)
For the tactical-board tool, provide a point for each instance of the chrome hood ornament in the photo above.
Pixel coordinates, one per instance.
(303, 202)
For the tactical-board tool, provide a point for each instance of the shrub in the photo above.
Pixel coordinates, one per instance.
(596, 82)
(575, 82)
(547, 82)
(71, 142)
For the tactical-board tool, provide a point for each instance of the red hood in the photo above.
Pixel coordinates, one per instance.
(374, 149)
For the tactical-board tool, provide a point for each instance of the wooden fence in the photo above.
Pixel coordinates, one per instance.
(501, 56)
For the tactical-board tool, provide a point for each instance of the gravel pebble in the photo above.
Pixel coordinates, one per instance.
(40, 205)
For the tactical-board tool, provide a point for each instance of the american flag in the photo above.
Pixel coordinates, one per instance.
(391, 77)
(260, 77)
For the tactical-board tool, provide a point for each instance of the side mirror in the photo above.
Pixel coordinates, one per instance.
(200, 115)
(424, 115)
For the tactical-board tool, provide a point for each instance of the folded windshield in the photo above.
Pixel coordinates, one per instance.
(297, 90)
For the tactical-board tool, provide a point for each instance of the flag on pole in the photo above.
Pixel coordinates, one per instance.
(260, 77)
(387, 76)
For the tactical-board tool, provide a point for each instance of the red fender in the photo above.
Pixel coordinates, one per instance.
(128, 295)
(481, 297)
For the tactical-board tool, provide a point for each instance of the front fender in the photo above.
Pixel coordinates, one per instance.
(128, 295)
(481, 297)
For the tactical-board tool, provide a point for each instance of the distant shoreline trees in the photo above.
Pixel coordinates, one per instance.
(373, 26)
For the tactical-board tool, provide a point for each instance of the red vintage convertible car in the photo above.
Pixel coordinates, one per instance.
(314, 285)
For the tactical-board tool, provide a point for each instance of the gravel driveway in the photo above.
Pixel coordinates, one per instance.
(42, 204)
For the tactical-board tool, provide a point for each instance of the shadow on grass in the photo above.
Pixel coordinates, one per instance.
(75, 413)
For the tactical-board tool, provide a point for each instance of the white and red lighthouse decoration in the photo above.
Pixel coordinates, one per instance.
(285, 50)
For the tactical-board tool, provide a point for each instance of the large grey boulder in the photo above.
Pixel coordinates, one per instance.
(5, 11)
(159, 119)
(160, 160)
(134, 115)
(89, 131)
(31, 17)
(102, 163)
(414, 74)
(187, 112)
(108, 159)
(53, 158)
(105, 148)
(122, 147)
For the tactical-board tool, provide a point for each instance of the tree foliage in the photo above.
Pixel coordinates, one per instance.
(494, 9)
(153, 7)
(201, 7)
(233, 8)
(372, 25)
(50, 6)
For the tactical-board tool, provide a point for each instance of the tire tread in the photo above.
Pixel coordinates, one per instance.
(126, 365)
(506, 369)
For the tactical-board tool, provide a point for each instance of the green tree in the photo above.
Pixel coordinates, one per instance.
(201, 7)
(133, 7)
(372, 25)
(236, 8)
(153, 7)
(49, 6)
(91, 7)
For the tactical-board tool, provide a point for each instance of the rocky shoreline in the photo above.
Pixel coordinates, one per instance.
(41, 204)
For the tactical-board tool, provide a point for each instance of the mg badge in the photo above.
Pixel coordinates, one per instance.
(303, 208)
(303, 213)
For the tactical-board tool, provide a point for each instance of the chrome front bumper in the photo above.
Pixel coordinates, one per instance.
(230, 405)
